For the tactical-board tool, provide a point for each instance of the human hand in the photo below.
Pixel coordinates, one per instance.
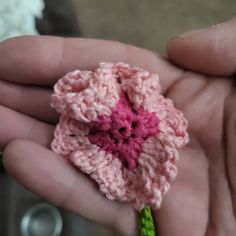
(200, 201)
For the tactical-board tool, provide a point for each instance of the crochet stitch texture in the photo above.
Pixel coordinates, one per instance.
(117, 127)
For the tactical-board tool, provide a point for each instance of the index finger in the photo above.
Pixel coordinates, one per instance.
(42, 60)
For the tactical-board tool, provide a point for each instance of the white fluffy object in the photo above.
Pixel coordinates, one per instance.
(17, 17)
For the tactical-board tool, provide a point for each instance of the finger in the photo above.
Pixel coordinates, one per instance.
(29, 100)
(42, 60)
(15, 125)
(210, 51)
(53, 178)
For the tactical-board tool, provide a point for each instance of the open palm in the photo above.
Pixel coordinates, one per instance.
(202, 198)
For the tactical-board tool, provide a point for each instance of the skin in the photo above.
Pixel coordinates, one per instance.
(202, 200)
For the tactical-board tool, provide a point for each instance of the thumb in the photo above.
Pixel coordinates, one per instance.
(210, 51)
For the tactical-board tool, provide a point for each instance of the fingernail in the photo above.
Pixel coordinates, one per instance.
(192, 33)
(216, 25)
(197, 32)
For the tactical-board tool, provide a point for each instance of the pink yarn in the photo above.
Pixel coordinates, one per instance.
(117, 127)
(123, 133)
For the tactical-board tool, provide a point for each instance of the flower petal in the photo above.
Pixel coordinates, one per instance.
(172, 121)
(69, 85)
(84, 95)
(137, 83)
(156, 169)
(101, 167)
(69, 135)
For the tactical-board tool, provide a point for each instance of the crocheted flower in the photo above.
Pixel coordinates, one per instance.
(116, 127)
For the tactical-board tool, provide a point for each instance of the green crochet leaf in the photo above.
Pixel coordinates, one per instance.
(146, 223)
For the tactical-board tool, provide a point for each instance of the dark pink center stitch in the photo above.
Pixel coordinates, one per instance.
(123, 133)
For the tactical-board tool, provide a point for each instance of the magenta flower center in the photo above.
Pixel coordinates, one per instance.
(123, 133)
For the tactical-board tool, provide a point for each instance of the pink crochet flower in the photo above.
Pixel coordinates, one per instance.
(117, 127)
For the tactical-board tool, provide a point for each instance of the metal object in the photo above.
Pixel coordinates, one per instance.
(24, 214)
(42, 220)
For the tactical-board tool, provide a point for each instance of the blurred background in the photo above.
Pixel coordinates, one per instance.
(148, 24)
